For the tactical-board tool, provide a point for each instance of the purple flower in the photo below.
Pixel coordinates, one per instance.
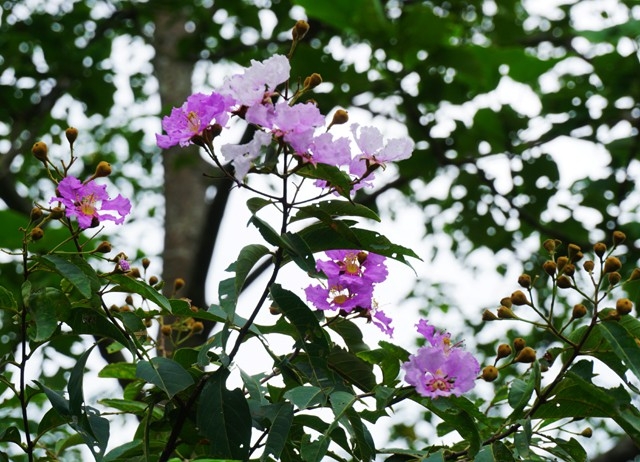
(326, 150)
(88, 201)
(249, 88)
(351, 277)
(242, 155)
(439, 368)
(196, 114)
(124, 264)
(374, 151)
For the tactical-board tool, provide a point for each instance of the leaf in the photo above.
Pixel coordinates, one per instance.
(255, 204)
(268, 233)
(321, 237)
(306, 396)
(456, 417)
(130, 285)
(248, 257)
(48, 306)
(364, 445)
(325, 211)
(93, 322)
(624, 345)
(57, 400)
(122, 370)
(304, 320)
(132, 407)
(50, 420)
(300, 252)
(351, 368)
(76, 395)
(7, 301)
(164, 373)
(224, 418)
(278, 432)
(75, 270)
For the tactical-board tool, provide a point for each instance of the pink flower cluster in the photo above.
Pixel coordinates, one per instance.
(351, 277)
(88, 201)
(440, 368)
(300, 125)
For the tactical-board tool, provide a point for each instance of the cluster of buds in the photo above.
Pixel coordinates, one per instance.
(518, 352)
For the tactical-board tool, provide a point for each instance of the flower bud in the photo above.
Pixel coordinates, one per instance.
(40, 151)
(587, 432)
(519, 298)
(275, 309)
(488, 316)
(504, 350)
(102, 170)
(506, 313)
(506, 301)
(166, 329)
(362, 256)
(197, 327)
(579, 311)
(561, 262)
(57, 213)
(618, 237)
(134, 273)
(550, 267)
(300, 29)
(146, 262)
(614, 278)
(489, 373)
(588, 266)
(569, 269)
(178, 284)
(563, 282)
(128, 300)
(312, 81)
(526, 355)
(104, 247)
(635, 274)
(612, 264)
(37, 233)
(550, 245)
(519, 343)
(524, 280)
(624, 306)
(153, 280)
(36, 213)
(600, 248)
(574, 252)
(148, 322)
(72, 134)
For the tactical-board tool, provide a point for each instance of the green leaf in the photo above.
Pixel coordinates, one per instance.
(351, 368)
(520, 392)
(350, 333)
(364, 445)
(248, 257)
(122, 370)
(48, 306)
(335, 177)
(278, 432)
(300, 252)
(569, 450)
(326, 211)
(132, 407)
(255, 204)
(456, 417)
(76, 395)
(10, 434)
(7, 301)
(93, 322)
(75, 270)
(304, 320)
(130, 285)
(624, 345)
(339, 235)
(50, 420)
(306, 396)
(57, 400)
(268, 233)
(164, 373)
(223, 416)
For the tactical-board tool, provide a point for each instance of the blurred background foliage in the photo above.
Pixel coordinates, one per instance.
(525, 115)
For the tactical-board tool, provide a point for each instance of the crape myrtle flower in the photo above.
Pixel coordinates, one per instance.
(242, 155)
(351, 277)
(191, 119)
(88, 202)
(440, 368)
(375, 152)
(251, 87)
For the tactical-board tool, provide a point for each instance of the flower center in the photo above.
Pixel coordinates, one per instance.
(351, 264)
(193, 122)
(440, 382)
(87, 205)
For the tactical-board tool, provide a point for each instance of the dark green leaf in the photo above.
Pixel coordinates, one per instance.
(130, 285)
(7, 301)
(224, 418)
(325, 211)
(278, 432)
(249, 256)
(48, 307)
(306, 396)
(624, 345)
(93, 322)
(74, 269)
(164, 373)
(351, 368)
(76, 395)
